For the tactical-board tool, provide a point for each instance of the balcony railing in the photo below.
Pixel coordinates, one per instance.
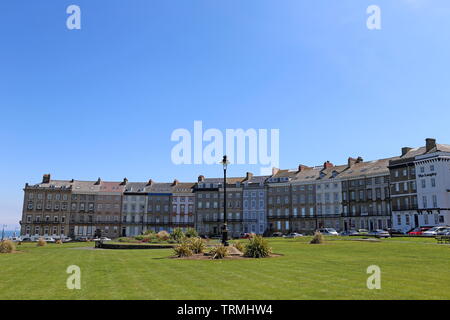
(221, 220)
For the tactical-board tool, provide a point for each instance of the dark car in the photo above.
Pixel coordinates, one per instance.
(394, 231)
(277, 234)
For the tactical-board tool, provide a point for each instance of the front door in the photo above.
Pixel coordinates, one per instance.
(416, 220)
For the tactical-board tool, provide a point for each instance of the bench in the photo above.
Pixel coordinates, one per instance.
(443, 239)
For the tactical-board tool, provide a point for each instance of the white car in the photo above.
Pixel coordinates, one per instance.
(105, 239)
(294, 235)
(379, 233)
(49, 239)
(328, 232)
(433, 231)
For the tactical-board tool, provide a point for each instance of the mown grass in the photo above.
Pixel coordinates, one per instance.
(411, 269)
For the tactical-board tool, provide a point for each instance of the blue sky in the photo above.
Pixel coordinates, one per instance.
(103, 101)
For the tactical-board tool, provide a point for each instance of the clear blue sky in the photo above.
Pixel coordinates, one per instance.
(103, 101)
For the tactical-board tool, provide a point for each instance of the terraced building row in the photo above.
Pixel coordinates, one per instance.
(405, 191)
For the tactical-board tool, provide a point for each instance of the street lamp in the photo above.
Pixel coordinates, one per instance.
(225, 163)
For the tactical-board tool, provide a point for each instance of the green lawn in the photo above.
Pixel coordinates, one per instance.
(411, 269)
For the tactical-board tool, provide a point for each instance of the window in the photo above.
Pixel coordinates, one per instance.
(432, 168)
(424, 183)
(424, 200)
(435, 204)
(433, 182)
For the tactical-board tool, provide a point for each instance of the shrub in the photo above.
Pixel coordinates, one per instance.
(177, 235)
(191, 233)
(318, 238)
(183, 250)
(219, 252)
(197, 245)
(163, 235)
(139, 237)
(257, 247)
(41, 242)
(127, 239)
(58, 241)
(7, 246)
(149, 232)
(239, 245)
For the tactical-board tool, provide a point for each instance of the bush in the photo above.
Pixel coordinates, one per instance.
(127, 239)
(177, 235)
(7, 246)
(163, 235)
(139, 237)
(257, 247)
(239, 245)
(219, 252)
(191, 233)
(150, 232)
(41, 242)
(318, 238)
(197, 245)
(183, 250)
(58, 241)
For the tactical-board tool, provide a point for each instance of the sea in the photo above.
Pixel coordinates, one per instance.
(9, 233)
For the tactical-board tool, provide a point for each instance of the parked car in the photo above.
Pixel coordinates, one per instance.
(83, 239)
(443, 232)
(394, 231)
(379, 233)
(433, 231)
(418, 231)
(328, 232)
(105, 239)
(246, 235)
(49, 239)
(294, 235)
(349, 233)
(362, 231)
(277, 234)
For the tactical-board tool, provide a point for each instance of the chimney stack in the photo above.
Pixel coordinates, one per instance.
(150, 182)
(201, 178)
(98, 181)
(351, 161)
(46, 178)
(405, 150)
(248, 176)
(302, 167)
(125, 181)
(359, 159)
(275, 171)
(327, 165)
(430, 144)
(175, 182)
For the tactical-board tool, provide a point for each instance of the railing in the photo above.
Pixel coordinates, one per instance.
(221, 220)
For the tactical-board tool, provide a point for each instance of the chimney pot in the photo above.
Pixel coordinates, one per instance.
(249, 176)
(201, 178)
